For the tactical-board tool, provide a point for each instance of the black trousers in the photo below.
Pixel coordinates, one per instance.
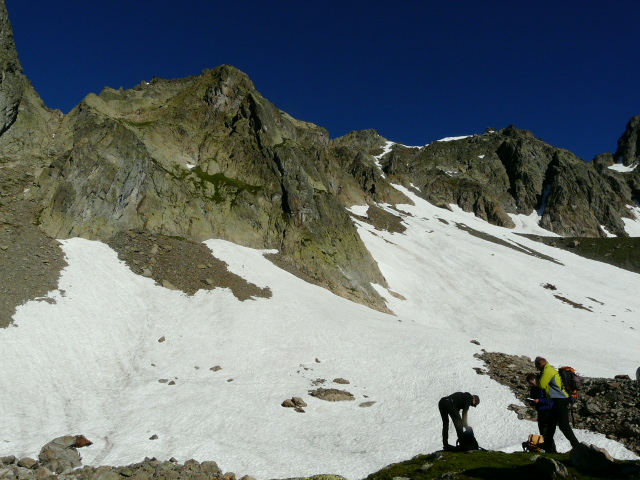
(447, 409)
(543, 421)
(559, 417)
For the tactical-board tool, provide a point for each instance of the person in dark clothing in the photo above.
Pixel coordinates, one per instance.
(450, 407)
(551, 383)
(539, 400)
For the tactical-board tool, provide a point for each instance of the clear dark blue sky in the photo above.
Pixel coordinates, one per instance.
(416, 70)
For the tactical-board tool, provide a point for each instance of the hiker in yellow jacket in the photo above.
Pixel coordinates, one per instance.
(559, 416)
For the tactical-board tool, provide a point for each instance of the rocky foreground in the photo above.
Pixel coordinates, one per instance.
(607, 406)
(610, 406)
(59, 459)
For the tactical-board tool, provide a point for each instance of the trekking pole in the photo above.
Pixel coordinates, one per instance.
(573, 418)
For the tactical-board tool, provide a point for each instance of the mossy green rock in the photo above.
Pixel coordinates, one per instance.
(480, 464)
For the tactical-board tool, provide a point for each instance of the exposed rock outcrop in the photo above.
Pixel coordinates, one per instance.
(206, 157)
(11, 77)
(591, 459)
(59, 459)
(30, 260)
(509, 172)
(61, 454)
(30, 469)
(629, 143)
(331, 394)
(607, 406)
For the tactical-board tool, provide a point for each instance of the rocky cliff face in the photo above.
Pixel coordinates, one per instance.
(206, 157)
(11, 83)
(511, 172)
(629, 143)
(29, 259)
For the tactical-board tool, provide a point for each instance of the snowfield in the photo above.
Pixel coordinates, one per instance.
(114, 357)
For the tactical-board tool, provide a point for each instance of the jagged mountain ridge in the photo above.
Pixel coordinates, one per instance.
(511, 172)
(208, 157)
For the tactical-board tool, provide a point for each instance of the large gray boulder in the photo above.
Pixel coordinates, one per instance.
(550, 468)
(592, 459)
(61, 453)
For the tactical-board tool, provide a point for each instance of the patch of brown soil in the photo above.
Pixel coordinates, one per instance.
(30, 261)
(331, 394)
(382, 220)
(180, 264)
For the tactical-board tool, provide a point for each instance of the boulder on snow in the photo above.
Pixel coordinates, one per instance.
(296, 403)
(331, 394)
(61, 453)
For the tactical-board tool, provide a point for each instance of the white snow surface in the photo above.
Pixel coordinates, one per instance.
(386, 148)
(619, 167)
(359, 210)
(451, 139)
(88, 360)
(530, 224)
(632, 226)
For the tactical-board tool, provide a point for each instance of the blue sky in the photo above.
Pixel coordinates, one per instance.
(416, 71)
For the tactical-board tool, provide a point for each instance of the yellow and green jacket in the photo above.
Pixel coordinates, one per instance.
(551, 382)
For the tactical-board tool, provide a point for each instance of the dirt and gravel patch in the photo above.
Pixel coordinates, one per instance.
(331, 394)
(180, 264)
(382, 220)
(30, 261)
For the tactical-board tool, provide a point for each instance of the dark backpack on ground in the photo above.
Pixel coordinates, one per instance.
(467, 441)
(571, 381)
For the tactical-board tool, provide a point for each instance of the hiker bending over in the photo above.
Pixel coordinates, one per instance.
(450, 407)
(538, 398)
(551, 382)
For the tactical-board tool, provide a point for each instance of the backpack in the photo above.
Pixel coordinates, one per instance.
(467, 441)
(534, 444)
(571, 381)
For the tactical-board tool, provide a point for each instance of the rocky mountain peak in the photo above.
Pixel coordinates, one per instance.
(11, 76)
(515, 132)
(629, 144)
